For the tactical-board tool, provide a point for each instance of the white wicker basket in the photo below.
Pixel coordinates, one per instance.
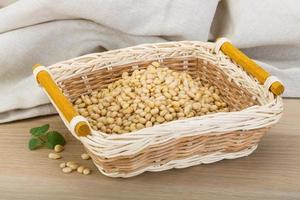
(176, 144)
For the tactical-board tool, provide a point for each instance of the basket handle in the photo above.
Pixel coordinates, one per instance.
(61, 103)
(250, 66)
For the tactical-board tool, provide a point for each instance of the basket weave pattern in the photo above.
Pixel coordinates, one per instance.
(181, 143)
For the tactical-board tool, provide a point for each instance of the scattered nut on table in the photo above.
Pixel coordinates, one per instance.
(74, 166)
(85, 156)
(67, 170)
(62, 165)
(86, 171)
(54, 156)
(71, 163)
(80, 169)
(58, 148)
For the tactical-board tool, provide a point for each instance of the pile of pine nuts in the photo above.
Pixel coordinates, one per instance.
(69, 166)
(148, 97)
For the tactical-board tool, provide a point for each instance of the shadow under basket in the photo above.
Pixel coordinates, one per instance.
(180, 143)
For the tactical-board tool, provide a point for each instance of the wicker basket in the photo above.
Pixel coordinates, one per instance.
(177, 144)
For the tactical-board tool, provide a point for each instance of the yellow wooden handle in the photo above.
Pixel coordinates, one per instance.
(61, 102)
(250, 66)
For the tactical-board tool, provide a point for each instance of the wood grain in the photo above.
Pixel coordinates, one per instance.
(271, 172)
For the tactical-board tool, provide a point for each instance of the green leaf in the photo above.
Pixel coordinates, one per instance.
(34, 143)
(39, 131)
(49, 145)
(54, 138)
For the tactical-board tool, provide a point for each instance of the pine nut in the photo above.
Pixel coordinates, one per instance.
(67, 170)
(80, 169)
(54, 156)
(86, 171)
(85, 156)
(69, 163)
(62, 165)
(58, 148)
(74, 166)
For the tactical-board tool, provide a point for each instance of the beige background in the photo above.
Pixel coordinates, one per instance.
(271, 172)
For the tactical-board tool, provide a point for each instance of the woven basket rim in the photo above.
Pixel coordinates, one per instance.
(131, 49)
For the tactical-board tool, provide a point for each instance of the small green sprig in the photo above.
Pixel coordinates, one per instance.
(42, 137)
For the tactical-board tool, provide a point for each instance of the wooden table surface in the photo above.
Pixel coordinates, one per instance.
(271, 172)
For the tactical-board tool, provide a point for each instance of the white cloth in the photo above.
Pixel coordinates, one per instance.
(45, 31)
(267, 31)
